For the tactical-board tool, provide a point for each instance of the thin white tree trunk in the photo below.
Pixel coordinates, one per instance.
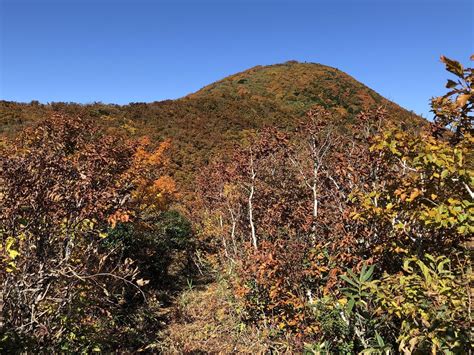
(250, 203)
(315, 194)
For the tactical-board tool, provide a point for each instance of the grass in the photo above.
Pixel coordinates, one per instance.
(206, 320)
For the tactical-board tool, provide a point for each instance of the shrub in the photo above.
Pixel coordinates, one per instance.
(155, 243)
(64, 184)
(429, 300)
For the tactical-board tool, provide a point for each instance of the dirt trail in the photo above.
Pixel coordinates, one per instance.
(203, 319)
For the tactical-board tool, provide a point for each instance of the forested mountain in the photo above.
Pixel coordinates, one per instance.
(296, 87)
(211, 121)
(285, 209)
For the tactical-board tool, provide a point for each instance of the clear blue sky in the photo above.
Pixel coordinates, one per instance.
(124, 51)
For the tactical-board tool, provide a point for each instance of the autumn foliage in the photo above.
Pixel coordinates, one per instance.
(314, 215)
(66, 184)
(292, 211)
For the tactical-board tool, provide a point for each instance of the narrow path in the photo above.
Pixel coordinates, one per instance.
(203, 319)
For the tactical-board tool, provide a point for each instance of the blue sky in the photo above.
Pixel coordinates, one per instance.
(126, 51)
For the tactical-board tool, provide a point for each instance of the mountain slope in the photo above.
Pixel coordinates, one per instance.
(209, 122)
(298, 86)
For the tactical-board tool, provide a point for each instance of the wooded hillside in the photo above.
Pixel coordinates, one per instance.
(287, 208)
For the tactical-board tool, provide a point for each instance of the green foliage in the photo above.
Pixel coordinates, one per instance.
(422, 200)
(422, 309)
(176, 229)
(296, 87)
(352, 323)
(420, 212)
(333, 329)
(430, 301)
(155, 243)
(437, 180)
(360, 311)
(359, 287)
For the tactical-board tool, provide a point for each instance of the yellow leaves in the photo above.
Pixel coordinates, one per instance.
(12, 253)
(231, 191)
(458, 153)
(462, 99)
(378, 249)
(456, 302)
(103, 235)
(453, 201)
(430, 168)
(356, 216)
(393, 148)
(464, 230)
(342, 301)
(402, 193)
(427, 293)
(399, 135)
(400, 250)
(156, 194)
(414, 194)
(444, 174)
(129, 128)
(151, 191)
(274, 291)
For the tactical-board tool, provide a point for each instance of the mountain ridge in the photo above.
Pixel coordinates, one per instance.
(210, 121)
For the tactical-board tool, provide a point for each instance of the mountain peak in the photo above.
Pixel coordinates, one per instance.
(296, 87)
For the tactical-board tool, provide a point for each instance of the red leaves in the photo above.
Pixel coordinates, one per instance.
(63, 185)
(273, 276)
(63, 168)
(286, 178)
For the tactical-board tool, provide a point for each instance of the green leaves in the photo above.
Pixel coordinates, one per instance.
(366, 273)
(362, 286)
(349, 281)
(429, 299)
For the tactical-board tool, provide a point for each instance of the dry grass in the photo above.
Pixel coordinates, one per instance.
(206, 320)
